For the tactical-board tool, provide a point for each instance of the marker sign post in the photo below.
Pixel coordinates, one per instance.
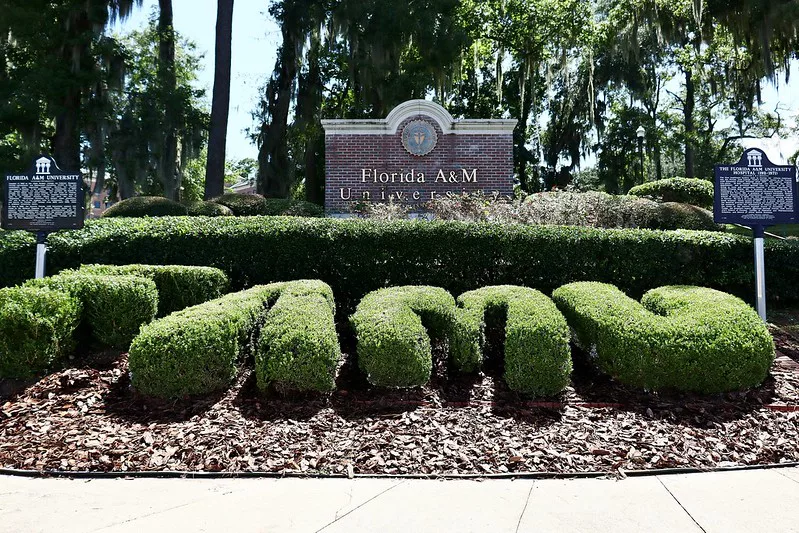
(43, 200)
(756, 193)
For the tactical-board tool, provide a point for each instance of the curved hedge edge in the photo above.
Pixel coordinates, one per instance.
(209, 208)
(146, 206)
(679, 337)
(114, 307)
(197, 350)
(298, 348)
(692, 191)
(178, 286)
(393, 345)
(37, 327)
(537, 353)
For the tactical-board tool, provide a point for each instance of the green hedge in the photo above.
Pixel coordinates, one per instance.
(681, 190)
(537, 353)
(36, 329)
(178, 286)
(146, 206)
(113, 307)
(298, 349)
(391, 326)
(257, 205)
(197, 350)
(684, 338)
(209, 208)
(358, 256)
(673, 215)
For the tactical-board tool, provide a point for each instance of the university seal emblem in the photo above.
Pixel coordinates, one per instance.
(419, 137)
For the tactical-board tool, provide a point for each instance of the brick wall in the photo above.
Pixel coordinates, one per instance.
(348, 155)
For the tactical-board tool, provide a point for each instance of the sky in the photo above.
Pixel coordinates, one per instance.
(256, 39)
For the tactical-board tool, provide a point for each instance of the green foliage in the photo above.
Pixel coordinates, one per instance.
(209, 209)
(392, 325)
(678, 337)
(255, 204)
(684, 216)
(358, 256)
(36, 329)
(243, 205)
(178, 286)
(146, 206)
(197, 350)
(298, 349)
(537, 353)
(680, 190)
(114, 308)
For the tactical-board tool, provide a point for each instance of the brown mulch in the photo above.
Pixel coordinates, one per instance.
(89, 419)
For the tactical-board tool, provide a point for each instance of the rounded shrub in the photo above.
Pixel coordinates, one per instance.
(197, 350)
(243, 205)
(178, 286)
(209, 208)
(672, 216)
(146, 206)
(298, 348)
(392, 325)
(692, 191)
(114, 308)
(537, 353)
(36, 329)
(684, 338)
(293, 208)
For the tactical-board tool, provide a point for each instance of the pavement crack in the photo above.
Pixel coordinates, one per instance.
(356, 508)
(681, 505)
(789, 477)
(524, 509)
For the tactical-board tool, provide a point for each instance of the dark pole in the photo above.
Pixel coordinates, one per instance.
(641, 159)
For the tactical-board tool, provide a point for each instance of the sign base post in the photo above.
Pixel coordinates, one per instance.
(760, 271)
(41, 252)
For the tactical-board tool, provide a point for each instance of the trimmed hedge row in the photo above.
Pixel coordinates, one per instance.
(537, 354)
(298, 349)
(209, 208)
(36, 329)
(356, 257)
(684, 338)
(178, 286)
(391, 326)
(198, 350)
(680, 190)
(146, 206)
(113, 307)
(255, 205)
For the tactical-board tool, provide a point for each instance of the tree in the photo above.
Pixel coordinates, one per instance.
(168, 84)
(220, 106)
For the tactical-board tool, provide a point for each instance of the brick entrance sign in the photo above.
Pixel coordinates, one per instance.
(417, 153)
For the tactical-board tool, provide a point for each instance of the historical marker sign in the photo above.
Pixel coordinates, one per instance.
(43, 200)
(416, 154)
(755, 192)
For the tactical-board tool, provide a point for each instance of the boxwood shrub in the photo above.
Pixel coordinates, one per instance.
(198, 350)
(146, 206)
(113, 307)
(36, 329)
(537, 353)
(392, 326)
(298, 348)
(683, 338)
(358, 256)
(178, 286)
(209, 208)
(255, 204)
(681, 190)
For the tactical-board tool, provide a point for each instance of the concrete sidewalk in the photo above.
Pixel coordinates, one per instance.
(757, 501)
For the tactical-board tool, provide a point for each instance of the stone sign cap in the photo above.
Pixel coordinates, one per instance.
(414, 108)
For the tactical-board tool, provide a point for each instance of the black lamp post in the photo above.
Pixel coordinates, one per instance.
(641, 133)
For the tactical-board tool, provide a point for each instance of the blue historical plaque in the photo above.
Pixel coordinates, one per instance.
(44, 199)
(755, 192)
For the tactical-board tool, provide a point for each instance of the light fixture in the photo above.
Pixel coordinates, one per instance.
(640, 132)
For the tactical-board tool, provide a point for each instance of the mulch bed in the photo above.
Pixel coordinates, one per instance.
(88, 419)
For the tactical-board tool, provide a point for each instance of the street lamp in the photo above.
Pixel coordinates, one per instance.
(641, 133)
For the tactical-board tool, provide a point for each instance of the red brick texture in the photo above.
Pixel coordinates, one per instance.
(351, 157)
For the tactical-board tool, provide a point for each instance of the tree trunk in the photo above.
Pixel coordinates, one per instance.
(220, 106)
(311, 108)
(690, 128)
(167, 171)
(272, 159)
(66, 143)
